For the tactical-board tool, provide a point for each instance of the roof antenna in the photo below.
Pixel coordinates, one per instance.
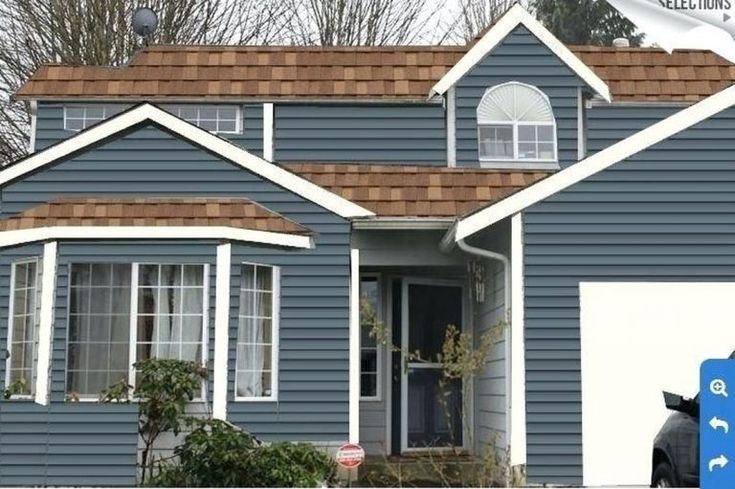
(145, 22)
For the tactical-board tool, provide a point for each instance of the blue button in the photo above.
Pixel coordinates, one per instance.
(716, 424)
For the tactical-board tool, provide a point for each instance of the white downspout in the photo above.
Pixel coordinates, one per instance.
(505, 261)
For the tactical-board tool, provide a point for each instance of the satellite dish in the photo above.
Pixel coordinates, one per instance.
(145, 21)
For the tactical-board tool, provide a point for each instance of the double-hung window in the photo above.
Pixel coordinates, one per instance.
(23, 331)
(123, 313)
(515, 122)
(257, 334)
(369, 348)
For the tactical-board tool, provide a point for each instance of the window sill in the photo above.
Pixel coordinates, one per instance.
(520, 165)
(256, 399)
(371, 399)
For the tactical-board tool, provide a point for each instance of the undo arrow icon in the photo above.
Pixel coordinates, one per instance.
(717, 423)
(718, 462)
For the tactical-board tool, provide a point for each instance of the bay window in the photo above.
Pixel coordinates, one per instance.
(23, 328)
(256, 357)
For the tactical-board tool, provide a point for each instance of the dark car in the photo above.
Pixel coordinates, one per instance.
(676, 446)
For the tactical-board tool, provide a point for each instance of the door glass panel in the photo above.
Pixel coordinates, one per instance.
(435, 407)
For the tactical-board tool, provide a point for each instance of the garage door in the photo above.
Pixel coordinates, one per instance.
(638, 339)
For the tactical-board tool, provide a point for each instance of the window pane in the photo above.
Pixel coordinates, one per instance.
(368, 385)
(255, 332)
(546, 133)
(171, 312)
(369, 307)
(24, 331)
(527, 133)
(546, 151)
(99, 327)
(527, 151)
(496, 142)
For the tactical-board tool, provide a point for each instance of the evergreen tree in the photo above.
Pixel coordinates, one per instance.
(585, 22)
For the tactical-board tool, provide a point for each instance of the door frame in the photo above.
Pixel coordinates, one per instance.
(468, 417)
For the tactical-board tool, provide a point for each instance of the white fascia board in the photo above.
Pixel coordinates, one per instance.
(45, 323)
(221, 330)
(221, 147)
(596, 163)
(516, 16)
(21, 236)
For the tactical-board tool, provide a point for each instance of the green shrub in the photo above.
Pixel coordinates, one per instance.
(216, 454)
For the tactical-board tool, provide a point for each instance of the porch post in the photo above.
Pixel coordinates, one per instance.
(517, 411)
(354, 346)
(46, 318)
(221, 333)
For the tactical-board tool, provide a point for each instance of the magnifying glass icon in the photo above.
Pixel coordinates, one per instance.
(718, 387)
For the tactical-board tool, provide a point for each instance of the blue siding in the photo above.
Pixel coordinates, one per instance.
(398, 134)
(520, 57)
(50, 126)
(665, 214)
(609, 124)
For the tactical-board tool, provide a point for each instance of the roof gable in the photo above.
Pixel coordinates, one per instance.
(148, 114)
(606, 158)
(515, 17)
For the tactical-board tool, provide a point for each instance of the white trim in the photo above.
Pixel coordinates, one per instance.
(354, 348)
(517, 408)
(405, 365)
(581, 132)
(45, 328)
(205, 327)
(221, 330)
(275, 331)
(34, 125)
(451, 128)
(378, 397)
(413, 223)
(268, 121)
(21, 236)
(133, 333)
(516, 16)
(388, 374)
(147, 113)
(596, 163)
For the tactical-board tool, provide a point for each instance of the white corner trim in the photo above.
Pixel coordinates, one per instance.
(221, 330)
(517, 411)
(517, 15)
(451, 128)
(20, 236)
(34, 125)
(45, 325)
(221, 147)
(268, 121)
(354, 345)
(595, 163)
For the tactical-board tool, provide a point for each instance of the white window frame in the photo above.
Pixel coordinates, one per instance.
(133, 338)
(106, 114)
(275, 332)
(514, 125)
(175, 109)
(171, 108)
(378, 347)
(9, 339)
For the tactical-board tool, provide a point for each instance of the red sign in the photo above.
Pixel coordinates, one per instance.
(350, 455)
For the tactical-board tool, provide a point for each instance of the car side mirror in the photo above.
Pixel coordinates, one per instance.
(675, 402)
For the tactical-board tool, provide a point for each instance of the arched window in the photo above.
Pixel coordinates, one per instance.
(516, 122)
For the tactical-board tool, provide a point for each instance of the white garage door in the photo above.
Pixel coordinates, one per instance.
(637, 340)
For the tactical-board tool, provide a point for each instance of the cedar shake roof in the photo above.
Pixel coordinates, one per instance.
(416, 191)
(403, 73)
(236, 213)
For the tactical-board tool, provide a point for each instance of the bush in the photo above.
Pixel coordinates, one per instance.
(216, 454)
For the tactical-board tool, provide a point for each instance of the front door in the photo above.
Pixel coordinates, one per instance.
(431, 408)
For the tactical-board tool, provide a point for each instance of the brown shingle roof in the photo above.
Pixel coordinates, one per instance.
(416, 191)
(239, 72)
(652, 74)
(238, 213)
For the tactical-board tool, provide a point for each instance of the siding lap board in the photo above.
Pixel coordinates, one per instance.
(520, 57)
(666, 214)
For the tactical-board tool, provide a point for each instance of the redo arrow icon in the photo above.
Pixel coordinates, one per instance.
(717, 424)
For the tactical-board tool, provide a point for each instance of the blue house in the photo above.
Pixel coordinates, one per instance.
(231, 205)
